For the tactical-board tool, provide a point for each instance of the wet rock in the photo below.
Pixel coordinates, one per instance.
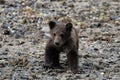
(116, 77)
(10, 3)
(114, 17)
(95, 25)
(38, 4)
(5, 25)
(96, 49)
(45, 29)
(2, 1)
(0, 45)
(6, 32)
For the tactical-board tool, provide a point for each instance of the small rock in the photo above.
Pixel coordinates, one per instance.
(45, 29)
(6, 32)
(5, 53)
(116, 77)
(10, 3)
(114, 17)
(0, 45)
(102, 73)
(38, 4)
(18, 35)
(1, 38)
(5, 25)
(96, 49)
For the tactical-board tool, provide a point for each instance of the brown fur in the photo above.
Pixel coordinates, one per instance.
(63, 38)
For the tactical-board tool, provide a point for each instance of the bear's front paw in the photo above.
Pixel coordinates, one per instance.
(47, 66)
(75, 71)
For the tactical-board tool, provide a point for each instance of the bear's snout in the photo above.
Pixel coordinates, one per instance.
(56, 43)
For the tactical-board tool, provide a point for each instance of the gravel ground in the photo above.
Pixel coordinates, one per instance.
(24, 32)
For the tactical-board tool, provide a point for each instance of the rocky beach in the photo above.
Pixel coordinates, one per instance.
(24, 31)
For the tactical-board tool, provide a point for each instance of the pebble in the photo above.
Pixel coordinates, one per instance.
(115, 17)
(45, 29)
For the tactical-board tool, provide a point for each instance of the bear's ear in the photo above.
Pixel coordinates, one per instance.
(69, 26)
(52, 24)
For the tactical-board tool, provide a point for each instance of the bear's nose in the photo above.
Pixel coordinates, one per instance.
(57, 43)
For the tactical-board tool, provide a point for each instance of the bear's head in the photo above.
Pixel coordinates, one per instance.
(60, 32)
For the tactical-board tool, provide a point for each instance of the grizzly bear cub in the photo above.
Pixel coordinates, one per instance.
(64, 38)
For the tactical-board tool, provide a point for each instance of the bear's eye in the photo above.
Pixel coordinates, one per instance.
(61, 35)
(54, 34)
